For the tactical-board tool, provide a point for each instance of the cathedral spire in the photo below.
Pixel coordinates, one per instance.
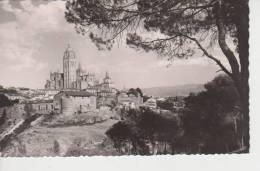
(124, 89)
(79, 66)
(69, 67)
(68, 46)
(107, 75)
(69, 53)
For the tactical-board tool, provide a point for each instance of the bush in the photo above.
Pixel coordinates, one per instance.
(141, 128)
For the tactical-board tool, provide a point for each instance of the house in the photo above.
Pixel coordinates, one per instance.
(151, 103)
(106, 102)
(129, 101)
(15, 97)
(36, 106)
(72, 102)
(42, 106)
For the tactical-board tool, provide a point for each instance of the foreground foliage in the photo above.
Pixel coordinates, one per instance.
(211, 122)
(140, 132)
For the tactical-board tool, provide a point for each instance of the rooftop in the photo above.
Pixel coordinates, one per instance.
(77, 93)
(37, 101)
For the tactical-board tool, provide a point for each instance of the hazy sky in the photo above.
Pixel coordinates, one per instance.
(34, 35)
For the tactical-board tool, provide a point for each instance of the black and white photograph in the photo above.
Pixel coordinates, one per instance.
(124, 78)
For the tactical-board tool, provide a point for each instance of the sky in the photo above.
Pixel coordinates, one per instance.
(34, 35)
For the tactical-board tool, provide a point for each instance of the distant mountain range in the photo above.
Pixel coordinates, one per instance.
(179, 90)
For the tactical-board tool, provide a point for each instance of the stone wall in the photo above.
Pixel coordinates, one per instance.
(71, 105)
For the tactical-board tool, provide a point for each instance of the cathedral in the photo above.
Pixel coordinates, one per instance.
(77, 79)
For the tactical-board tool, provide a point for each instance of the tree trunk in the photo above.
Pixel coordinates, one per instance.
(242, 25)
(165, 147)
(240, 77)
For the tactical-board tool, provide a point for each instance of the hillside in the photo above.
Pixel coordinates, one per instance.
(180, 90)
(62, 141)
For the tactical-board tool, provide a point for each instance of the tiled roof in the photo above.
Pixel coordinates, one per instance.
(77, 93)
(40, 101)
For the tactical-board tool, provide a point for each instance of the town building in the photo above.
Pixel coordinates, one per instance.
(129, 101)
(36, 106)
(42, 106)
(16, 97)
(84, 79)
(151, 103)
(55, 82)
(72, 102)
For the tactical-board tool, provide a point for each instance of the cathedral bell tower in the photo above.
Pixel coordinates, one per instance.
(69, 68)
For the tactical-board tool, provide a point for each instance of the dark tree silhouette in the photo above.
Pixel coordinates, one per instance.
(4, 101)
(141, 127)
(206, 121)
(196, 23)
(3, 117)
(166, 104)
(139, 91)
(132, 91)
(120, 134)
(135, 92)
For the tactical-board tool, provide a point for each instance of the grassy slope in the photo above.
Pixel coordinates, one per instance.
(39, 141)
